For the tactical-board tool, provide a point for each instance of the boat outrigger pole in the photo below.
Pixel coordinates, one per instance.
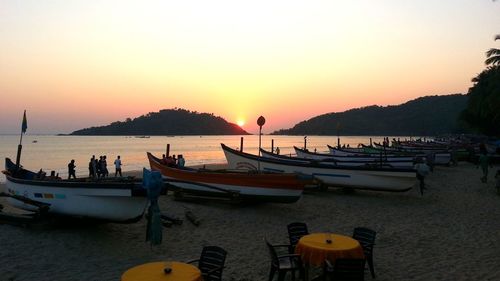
(24, 126)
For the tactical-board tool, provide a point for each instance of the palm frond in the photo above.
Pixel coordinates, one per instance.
(493, 57)
(493, 60)
(492, 52)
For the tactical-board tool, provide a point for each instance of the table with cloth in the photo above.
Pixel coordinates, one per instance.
(154, 271)
(314, 249)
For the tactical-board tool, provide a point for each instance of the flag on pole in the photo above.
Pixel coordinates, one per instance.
(24, 126)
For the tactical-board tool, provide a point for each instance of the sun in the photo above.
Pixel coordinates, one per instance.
(240, 122)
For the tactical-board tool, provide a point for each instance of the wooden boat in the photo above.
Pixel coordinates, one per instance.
(441, 156)
(242, 185)
(305, 159)
(381, 179)
(358, 160)
(362, 151)
(115, 200)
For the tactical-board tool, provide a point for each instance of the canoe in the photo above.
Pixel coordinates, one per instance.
(379, 179)
(240, 185)
(120, 200)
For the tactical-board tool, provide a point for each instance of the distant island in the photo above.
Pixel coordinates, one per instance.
(168, 122)
(425, 116)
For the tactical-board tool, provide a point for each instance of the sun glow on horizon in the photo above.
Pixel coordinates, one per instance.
(240, 122)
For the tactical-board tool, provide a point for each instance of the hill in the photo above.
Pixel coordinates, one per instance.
(168, 122)
(430, 115)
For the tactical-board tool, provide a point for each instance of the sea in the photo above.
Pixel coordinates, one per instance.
(54, 152)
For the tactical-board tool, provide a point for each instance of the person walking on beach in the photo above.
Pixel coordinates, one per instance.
(104, 167)
(99, 167)
(92, 167)
(71, 169)
(422, 172)
(118, 166)
(484, 163)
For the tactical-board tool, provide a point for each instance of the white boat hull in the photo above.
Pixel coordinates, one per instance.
(116, 205)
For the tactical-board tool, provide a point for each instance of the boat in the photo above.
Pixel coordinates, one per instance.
(305, 159)
(240, 185)
(369, 178)
(358, 160)
(363, 151)
(120, 200)
(441, 156)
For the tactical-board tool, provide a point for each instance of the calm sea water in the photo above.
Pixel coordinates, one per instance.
(55, 152)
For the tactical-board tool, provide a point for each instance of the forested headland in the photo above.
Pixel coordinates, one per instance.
(430, 115)
(168, 122)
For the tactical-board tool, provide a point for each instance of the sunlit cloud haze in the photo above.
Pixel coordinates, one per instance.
(75, 64)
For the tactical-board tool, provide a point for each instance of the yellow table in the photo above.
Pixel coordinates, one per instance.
(154, 272)
(314, 249)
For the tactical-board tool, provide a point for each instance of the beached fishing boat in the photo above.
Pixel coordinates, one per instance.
(441, 156)
(362, 151)
(358, 160)
(240, 185)
(330, 160)
(116, 200)
(370, 178)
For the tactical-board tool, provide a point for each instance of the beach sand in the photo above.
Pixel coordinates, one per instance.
(450, 233)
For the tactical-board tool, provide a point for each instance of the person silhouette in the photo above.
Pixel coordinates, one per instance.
(118, 166)
(71, 169)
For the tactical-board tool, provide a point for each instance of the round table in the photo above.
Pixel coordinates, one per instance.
(154, 272)
(314, 249)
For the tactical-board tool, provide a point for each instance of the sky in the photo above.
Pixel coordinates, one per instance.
(76, 64)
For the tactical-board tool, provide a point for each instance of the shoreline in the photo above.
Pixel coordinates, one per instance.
(445, 234)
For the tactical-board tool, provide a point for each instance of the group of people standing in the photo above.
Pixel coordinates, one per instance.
(99, 168)
(172, 161)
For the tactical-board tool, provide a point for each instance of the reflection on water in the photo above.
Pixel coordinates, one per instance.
(55, 152)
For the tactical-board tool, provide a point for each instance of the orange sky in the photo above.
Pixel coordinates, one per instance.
(75, 64)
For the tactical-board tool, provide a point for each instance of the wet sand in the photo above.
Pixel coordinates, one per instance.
(450, 233)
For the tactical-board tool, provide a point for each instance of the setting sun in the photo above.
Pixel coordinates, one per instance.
(240, 122)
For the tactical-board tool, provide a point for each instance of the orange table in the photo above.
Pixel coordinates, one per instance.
(154, 272)
(314, 249)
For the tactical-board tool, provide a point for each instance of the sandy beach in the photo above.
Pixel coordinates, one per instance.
(450, 233)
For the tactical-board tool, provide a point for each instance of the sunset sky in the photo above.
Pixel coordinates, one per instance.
(76, 64)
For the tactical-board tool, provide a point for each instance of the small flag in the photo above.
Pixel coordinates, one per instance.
(24, 126)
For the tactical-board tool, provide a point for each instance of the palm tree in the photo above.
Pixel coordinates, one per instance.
(493, 55)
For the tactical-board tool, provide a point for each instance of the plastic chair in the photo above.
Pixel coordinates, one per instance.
(366, 237)
(295, 231)
(211, 263)
(284, 263)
